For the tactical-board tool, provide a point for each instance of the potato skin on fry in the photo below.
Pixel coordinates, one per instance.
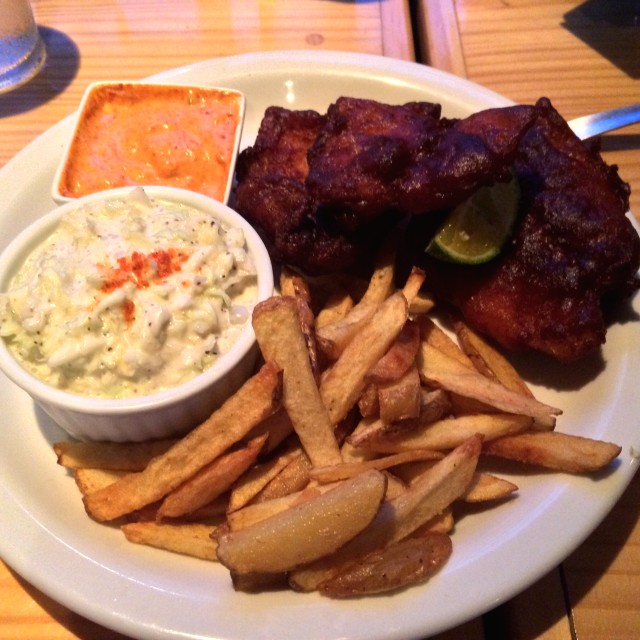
(554, 450)
(306, 532)
(400, 565)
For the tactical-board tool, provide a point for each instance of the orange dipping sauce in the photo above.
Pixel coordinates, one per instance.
(150, 134)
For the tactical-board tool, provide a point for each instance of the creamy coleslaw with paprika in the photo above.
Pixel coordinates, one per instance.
(129, 297)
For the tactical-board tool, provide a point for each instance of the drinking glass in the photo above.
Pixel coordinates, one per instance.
(22, 51)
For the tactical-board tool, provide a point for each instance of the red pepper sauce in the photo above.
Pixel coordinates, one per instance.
(142, 270)
(149, 134)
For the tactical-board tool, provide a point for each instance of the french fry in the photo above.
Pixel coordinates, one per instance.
(306, 532)
(400, 400)
(395, 485)
(492, 364)
(421, 304)
(433, 335)
(434, 405)
(555, 450)
(90, 480)
(399, 358)
(428, 496)
(332, 338)
(399, 565)
(212, 511)
(433, 491)
(277, 428)
(344, 381)
(211, 481)
(368, 404)
(277, 328)
(413, 284)
(295, 286)
(293, 477)
(381, 283)
(450, 432)
(191, 539)
(437, 368)
(123, 456)
(292, 284)
(350, 469)
(335, 308)
(353, 454)
(442, 523)
(258, 511)
(257, 398)
(485, 487)
(256, 479)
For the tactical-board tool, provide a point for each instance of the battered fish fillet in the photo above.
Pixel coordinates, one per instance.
(371, 157)
(573, 249)
(325, 189)
(272, 195)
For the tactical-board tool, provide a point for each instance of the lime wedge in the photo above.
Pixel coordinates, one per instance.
(477, 229)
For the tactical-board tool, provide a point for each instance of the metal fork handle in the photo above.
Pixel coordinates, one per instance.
(598, 123)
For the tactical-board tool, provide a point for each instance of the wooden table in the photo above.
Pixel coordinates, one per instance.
(522, 49)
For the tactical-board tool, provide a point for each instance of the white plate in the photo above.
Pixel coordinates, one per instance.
(47, 538)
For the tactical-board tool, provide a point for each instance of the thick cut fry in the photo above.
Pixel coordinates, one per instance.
(212, 511)
(90, 480)
(191, 539)
(335, 308)
(438, 369)
(277, 427)
(487, 360)
(428, 496)
(293, 477)
(433, 406)
(413, 284)
(554, 450)
(421, 304)
(400, 400)
(395, 485)
(381, 283)
(306, 532)
(277, 328)
(442, 523)
(334, 337)
(433, 335)
(368, 404)
(492, 364)
(295, 286)
(258, 511)
(123, 456)
(399, 565)
(450, 432)
(252, 482)
(344, 381)
(485, 487)
(257, 398)
(399, 358)
(211, 481)
(351, 469)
